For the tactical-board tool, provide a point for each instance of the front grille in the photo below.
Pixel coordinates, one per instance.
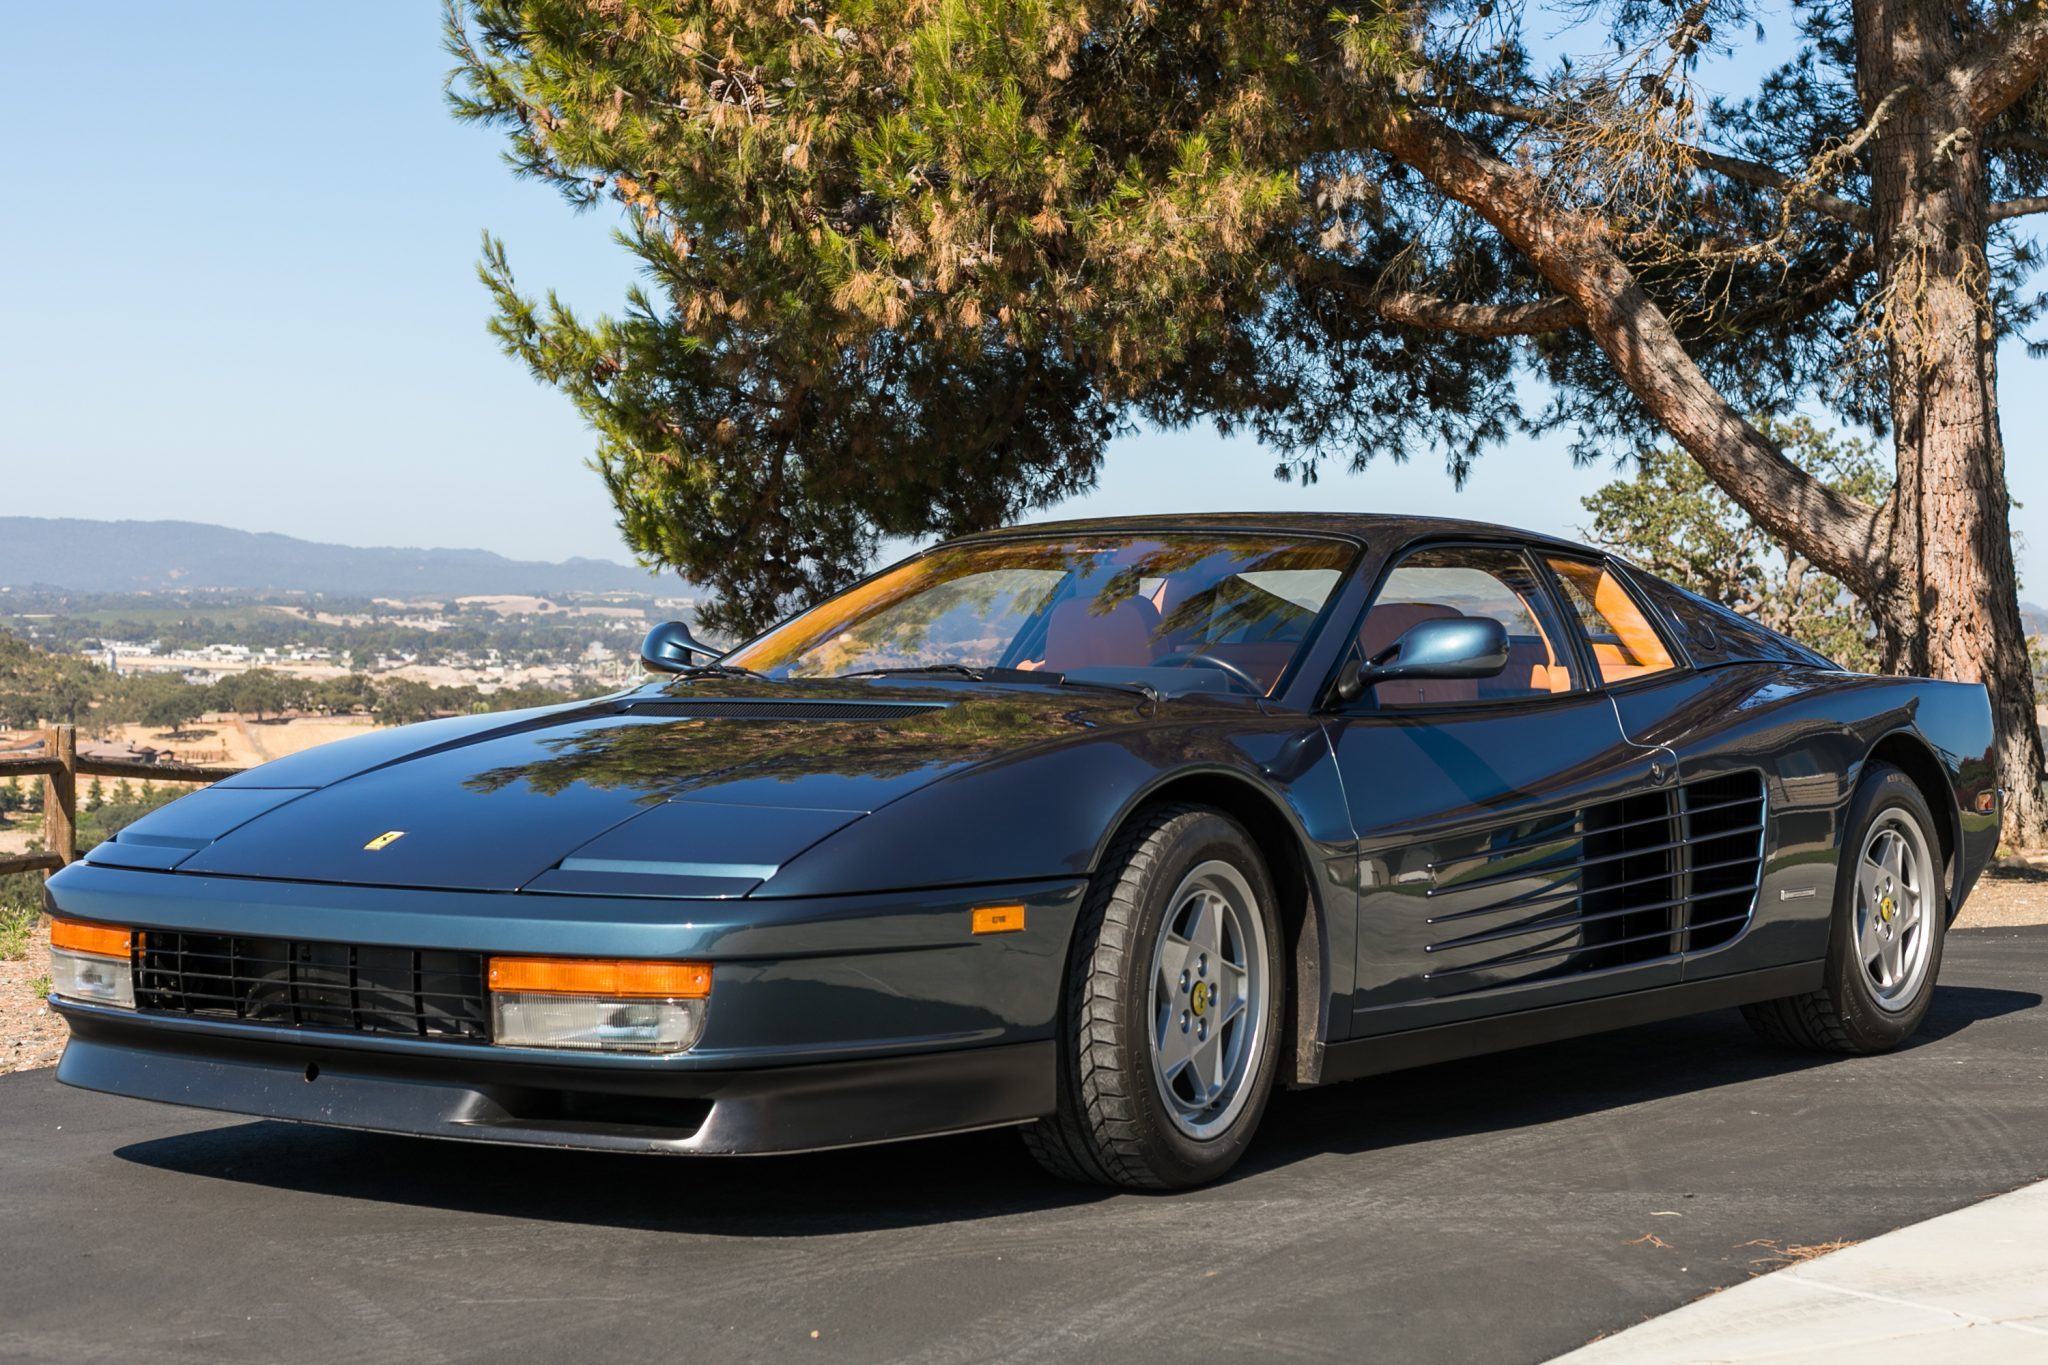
(343, 987)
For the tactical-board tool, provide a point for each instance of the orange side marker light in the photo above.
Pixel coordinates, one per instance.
(999, 919)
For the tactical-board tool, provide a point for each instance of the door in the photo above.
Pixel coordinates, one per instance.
(1719, 798)
(1498, 819)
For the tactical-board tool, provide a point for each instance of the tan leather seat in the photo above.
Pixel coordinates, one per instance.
(1077, 636)
(1527, 671)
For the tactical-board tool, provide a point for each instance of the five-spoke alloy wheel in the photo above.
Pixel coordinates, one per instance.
(1208, 983)
(1890, 916)
(1170, 1019)
(1895, 881)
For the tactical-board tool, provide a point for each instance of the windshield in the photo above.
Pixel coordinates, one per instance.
(1233, 609)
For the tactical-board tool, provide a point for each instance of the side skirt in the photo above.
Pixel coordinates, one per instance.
(1525, 1028)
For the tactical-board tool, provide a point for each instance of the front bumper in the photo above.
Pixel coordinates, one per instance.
(833, 1021)
(483, 1096)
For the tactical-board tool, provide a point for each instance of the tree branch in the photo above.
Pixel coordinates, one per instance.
(1407, 308)
(2016, 141)
(1477, 319)
(1411, 308)
(1757, 173)
(1575, 253)
(1734, 167)
(2018, 208)
(1813, 297)
(2004, 65)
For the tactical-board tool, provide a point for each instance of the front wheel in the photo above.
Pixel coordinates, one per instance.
(1170, 1026)
(1891, 911)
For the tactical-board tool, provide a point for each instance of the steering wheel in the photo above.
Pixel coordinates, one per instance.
(1190, 659)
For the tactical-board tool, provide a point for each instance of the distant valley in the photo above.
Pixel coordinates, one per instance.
(78, 555)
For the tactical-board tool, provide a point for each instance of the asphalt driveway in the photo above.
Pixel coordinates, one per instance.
(1506, 1208)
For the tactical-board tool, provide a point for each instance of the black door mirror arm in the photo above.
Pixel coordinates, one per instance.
(670, 648)
(1452, 647)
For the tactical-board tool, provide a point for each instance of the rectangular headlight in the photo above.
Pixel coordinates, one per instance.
(90, 962)
(598, 1005)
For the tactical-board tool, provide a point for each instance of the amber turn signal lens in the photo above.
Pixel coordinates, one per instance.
(615, 978)
(90, 938)
(998, 919)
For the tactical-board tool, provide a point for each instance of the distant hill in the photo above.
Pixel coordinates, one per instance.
(155, 556)
(2033, 619)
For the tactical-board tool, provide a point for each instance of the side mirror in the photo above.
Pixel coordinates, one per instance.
(1452, 647)
(669, 648)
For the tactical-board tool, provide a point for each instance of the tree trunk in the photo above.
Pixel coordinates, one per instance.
(1947, 603)
(1936, 567)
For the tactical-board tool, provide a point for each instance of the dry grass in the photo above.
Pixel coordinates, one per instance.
(1778, 1257)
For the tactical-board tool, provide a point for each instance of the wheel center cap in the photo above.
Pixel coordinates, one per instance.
(1200, 1001)
(1886, 908)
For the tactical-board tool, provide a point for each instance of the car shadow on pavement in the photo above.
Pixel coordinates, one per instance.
(987, 1175)
(1538, 1085)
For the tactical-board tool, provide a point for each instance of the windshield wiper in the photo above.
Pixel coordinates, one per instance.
(1041, 676)
(721, 671)
(947, 670)
(1136, 689)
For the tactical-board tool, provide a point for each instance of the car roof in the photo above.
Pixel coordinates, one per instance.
(1382, 528)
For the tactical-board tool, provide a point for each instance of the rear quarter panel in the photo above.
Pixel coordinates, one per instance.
(1810, 731)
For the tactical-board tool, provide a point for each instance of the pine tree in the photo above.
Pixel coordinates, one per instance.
(910, 265)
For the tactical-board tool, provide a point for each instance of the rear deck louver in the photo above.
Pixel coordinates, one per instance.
(1627, 881)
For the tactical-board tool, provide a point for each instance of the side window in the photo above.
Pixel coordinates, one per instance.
(1455, 581)
(1625, 644)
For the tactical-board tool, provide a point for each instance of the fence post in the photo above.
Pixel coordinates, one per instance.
(60, 795)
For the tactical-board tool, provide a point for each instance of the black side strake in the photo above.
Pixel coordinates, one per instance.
(1649, 876)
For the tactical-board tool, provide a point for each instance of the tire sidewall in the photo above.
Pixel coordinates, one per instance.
(1874, 1028)
(1203, 836)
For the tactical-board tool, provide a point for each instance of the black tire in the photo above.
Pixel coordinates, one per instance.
(1113, 1125)
(1845, 1014)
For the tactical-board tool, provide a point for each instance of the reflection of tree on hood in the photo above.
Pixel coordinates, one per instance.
(677, 756)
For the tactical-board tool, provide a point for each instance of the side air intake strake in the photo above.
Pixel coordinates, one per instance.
(717, 708)
(1649, 876)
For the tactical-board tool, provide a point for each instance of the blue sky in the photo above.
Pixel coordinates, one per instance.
(239, 289)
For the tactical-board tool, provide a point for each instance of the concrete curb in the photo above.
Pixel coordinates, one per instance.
(1969, 1285)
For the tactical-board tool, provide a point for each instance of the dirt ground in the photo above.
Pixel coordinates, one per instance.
(2012, 892)
(31, 1036)
(238, 741)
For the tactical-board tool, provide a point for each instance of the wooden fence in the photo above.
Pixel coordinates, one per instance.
(60, 767)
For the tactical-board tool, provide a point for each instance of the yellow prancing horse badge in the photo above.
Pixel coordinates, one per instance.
(1201, 997)
(384, 840)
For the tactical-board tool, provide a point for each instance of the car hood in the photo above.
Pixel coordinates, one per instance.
(697, 789)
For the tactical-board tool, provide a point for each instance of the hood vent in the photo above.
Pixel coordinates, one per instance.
(718, 708)
(1652, 876)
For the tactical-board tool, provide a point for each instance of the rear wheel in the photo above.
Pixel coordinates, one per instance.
(1171, 1013)
(1891, 911)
